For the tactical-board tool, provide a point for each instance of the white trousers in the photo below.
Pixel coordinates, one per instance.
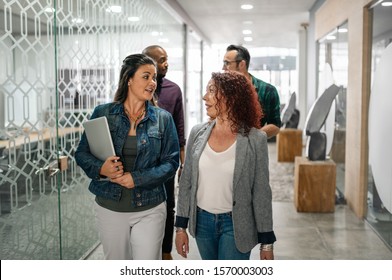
(131, 235)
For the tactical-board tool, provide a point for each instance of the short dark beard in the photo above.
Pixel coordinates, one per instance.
(159, 85)
(159, 79)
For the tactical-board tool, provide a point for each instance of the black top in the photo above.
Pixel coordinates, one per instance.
(126, 201)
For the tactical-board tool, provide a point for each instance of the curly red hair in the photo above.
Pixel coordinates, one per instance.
(241, 100)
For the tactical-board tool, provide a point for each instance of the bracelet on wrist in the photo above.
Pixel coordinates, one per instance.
(179, 229)
(266, 247)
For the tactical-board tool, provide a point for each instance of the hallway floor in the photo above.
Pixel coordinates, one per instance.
(311, 236)
(308, 236)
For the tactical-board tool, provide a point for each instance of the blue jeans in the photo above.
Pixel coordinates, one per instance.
(215, 237)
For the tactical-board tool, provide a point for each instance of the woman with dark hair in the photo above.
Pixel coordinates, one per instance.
(129, 187)
(224, 194)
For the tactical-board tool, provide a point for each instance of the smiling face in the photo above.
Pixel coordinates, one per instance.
(143, 84)
(215, 108)
(210, 99)
(230, 61)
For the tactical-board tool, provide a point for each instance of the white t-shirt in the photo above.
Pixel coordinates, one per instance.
(216, 170)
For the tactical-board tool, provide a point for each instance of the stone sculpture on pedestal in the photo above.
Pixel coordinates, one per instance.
(317, 141)
(290, 115)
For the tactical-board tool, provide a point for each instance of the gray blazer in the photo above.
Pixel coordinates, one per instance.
(252, 198)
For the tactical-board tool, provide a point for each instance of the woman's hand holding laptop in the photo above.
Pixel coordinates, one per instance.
(112, 167)
(124, 180)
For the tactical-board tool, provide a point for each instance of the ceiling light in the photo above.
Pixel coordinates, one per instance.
(247, 7)
(248, 39)
(163, 40)
(133, 18)
(330, 37)
(342, 30)
(386, 4)
(246, 32)
(114, 9)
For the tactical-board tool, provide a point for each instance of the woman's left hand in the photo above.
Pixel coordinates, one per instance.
(125, 180)
(266, 255)
(182, 243)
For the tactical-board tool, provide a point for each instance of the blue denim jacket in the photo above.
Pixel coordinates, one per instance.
(157, 157)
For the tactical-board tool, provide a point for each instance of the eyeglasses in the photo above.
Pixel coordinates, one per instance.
(227, 62)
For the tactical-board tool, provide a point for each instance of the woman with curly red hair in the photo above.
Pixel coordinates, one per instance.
(224, 195)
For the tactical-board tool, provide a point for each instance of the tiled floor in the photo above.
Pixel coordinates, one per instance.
(309, 236)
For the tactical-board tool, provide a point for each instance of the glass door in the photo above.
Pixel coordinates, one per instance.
(29, 185)
(333, 68)
(379, 214)
(45, 210)
(59, 60)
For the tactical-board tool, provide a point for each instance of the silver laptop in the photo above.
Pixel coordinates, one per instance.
(99, 138)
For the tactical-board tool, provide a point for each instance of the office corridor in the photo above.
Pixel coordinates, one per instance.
(307, 236)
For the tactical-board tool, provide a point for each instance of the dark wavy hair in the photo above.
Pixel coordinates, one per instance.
(242, 103)
(130, 65)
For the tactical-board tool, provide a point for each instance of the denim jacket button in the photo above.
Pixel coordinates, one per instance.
(138, 195)
(143, 141)
(139, 204)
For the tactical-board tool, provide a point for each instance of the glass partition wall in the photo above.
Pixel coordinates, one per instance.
(277, 66)
(59, 59)
(379, 213)
(185, 69)
(194, 89)
(333, 69)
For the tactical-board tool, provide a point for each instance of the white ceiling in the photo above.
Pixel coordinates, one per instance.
(274, 23)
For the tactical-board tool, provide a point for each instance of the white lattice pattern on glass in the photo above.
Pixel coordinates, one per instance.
(47, 91)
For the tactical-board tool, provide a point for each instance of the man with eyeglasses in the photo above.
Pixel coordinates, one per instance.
(237, 58)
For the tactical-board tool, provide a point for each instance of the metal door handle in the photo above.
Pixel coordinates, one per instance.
(51, 169)
(54, 171)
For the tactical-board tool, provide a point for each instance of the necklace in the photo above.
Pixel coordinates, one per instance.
(138, 117)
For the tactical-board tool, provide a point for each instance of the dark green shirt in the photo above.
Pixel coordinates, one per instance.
(126, 203)
(269, 100)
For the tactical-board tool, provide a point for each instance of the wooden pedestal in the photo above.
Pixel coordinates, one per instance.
(338, 149)
(288, 144)
(314, 185)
